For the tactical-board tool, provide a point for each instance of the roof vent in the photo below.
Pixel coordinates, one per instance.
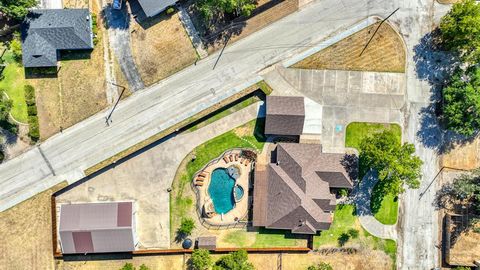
(88, 18)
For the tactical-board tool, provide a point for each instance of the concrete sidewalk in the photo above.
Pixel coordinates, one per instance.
(361, 196)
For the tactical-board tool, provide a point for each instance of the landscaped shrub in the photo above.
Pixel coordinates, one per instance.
(186, 227)
(343, 239)
(33, 128)
(94, 28)
(128, 266)
(170, 10)
(32, 110)
(343, 192)
(29, 95)
(5, 106)
(16, 47)
(320, 266)
(353, 233)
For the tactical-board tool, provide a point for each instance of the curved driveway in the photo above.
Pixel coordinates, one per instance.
(361, 196)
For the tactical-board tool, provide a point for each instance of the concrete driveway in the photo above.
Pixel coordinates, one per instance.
(346, 96)
(146, 177)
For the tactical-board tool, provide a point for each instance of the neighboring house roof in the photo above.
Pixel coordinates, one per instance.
(97, 227)
(153, 7)
(46, 31)
(285, 115)
(295, 194)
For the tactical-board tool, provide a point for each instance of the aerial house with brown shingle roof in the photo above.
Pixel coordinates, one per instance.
(97, 227)
(295, 192)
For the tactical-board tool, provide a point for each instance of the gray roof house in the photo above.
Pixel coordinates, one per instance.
(97, 227)
(292, 116)
(47, 31)
(294, 192)
(154, 7)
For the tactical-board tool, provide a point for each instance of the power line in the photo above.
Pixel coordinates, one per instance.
(376, 30)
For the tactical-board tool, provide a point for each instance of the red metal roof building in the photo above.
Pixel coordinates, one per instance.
(97, 227)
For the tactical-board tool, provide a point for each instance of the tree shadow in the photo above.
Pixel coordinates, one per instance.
(350, 163)
(435, 65)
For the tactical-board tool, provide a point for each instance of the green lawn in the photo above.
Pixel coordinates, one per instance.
(388, 211)
(13, 83)
(262, 239)
(344, 220)
(249, 135)
(355, 133)
(225, 112)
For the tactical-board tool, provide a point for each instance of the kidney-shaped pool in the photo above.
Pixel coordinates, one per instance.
(221, 190)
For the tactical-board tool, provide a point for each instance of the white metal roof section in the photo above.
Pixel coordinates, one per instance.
(313, 117)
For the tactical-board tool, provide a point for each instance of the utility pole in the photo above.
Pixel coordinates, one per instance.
(376, 30)
(107, 119)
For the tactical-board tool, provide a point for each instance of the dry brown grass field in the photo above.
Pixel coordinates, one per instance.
(161, 47)
(385, 53)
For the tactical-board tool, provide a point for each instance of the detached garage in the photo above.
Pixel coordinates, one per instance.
(97, 227)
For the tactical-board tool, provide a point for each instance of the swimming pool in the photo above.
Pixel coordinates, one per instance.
(221, 190)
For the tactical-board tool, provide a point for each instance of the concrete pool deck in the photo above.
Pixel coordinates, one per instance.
(240, 208)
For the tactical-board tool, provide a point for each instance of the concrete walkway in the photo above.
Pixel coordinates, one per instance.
(146, 177)
(361, 197)
(192, 32)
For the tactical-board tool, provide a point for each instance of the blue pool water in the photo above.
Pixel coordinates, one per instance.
(221, 191)
(238, 192)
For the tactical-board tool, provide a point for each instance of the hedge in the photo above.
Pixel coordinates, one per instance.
(33, 129)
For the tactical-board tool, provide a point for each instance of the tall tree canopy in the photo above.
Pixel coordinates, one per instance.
(460, 29)
(5, 106)
(395, 163)
(16, 9)
(462, 101)
(237, 260)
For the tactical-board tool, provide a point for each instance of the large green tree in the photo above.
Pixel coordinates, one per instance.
(460, 29)
(462, 102)
(395, 163)
(16, 9)
(201, 259)
(237, 260)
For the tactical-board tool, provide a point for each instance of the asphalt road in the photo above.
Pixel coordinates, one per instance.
(147, 112)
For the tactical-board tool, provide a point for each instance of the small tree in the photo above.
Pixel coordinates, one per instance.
(5, 106)
(16, 9)
(320, 266)
(201, 259)
(343, 239)
(353, 233)
(144, 267)
(186, 227)
(237, 260)
(460, 29)
(15, 46)
(128, 266)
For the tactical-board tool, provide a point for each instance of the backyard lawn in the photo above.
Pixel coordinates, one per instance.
(182, 197)
(13, 83)
(387, 213)
(344, 220)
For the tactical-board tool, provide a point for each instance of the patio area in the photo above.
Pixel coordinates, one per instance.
(237, 169)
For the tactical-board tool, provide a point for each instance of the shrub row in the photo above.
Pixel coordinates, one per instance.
(33, 129)
(94, 29)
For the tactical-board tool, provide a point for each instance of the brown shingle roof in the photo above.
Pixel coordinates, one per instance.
(207, 242)
(285, 115)
(96, 227)
(297, 192)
